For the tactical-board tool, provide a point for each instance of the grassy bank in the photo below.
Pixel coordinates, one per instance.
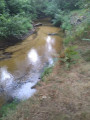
(63, 95)
(7, 107)
(64, 91)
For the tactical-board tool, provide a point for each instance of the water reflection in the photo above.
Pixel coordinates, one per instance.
(11, 87)
(33, 56)
(50, 40)
(6, 78)
(50, 50)
(49, 44)
(51, 61)
(24, 92)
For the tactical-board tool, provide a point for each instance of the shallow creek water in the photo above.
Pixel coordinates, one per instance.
(20, 72)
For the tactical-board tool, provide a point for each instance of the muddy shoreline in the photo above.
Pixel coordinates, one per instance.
(7, 43)
(11, 40)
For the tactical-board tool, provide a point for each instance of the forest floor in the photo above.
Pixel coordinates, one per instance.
(63, 95)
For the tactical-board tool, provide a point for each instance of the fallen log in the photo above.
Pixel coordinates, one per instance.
(38, 24)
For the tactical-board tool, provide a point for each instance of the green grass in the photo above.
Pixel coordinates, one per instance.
(7, 107)
(46, 72)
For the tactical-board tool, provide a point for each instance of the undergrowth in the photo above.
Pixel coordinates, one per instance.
(79, 32)
(70, 56)
(47, 71)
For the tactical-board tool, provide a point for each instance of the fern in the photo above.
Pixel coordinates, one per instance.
(71, 56)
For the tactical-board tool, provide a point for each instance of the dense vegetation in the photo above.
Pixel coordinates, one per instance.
(16, 16)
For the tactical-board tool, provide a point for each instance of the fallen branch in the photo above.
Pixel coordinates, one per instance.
(38, 24)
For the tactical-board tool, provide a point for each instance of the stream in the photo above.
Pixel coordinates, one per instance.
(24, 62)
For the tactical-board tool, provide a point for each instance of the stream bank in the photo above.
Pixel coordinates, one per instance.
(20, 70)
(12, 40)
(64, 94)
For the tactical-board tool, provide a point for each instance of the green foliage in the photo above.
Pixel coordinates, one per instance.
(66, 23)
(83, 3)
(19, 6)
(71, 56)
(63, 20)
(69, 39)
(16, 16)
(51, 9)
(58, 18)
(2, 6)
(46, 72)
(40, 6)
(62, 5)
(67, 5)
(80, 31)
(13, 25)
(59, 11)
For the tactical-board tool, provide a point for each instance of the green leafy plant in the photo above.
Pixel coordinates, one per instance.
(47, 71)
(66, 23)
(70, 57)
(14, 26)
(57, 21)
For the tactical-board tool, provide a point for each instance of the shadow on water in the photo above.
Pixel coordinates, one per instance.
(22, 70)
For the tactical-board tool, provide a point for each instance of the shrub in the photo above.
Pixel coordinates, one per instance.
(70, 56)
(14, 25)
(66, 23)
(51, 9)
(57, 21)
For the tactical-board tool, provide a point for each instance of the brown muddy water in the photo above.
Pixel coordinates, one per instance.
(22, 70)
